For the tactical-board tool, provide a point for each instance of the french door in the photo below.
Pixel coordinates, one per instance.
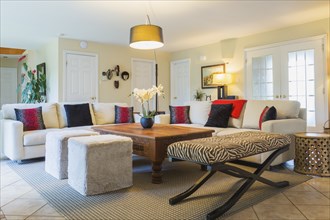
(290, 71)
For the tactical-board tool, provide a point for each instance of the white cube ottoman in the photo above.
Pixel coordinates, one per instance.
(56, 155)
(100, 164)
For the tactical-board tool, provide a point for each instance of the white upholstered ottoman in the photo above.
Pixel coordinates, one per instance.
(56, 156)
(100, 164)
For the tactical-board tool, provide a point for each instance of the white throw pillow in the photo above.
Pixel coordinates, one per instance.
(105, 112)
(199, 111)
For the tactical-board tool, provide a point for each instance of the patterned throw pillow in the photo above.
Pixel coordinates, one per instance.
(78, 115)
(219, 116)
(179, 115)
(267, 114)
(31, 118)
(123, 115)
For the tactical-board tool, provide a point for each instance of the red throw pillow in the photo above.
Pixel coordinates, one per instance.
(237, 105)
(267, 114)
(123, 115)
(179, 115)
(31, 118)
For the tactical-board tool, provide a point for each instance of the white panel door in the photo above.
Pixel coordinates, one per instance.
(80, 78)
(8, 85)
(143, 77)
(180, 82)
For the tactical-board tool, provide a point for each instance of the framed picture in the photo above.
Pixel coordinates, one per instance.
(207, 74)
(41, 74)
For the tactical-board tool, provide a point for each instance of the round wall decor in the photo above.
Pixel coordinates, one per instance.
(125, 75)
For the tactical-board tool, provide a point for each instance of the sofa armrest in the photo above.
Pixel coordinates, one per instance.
(13, 139)
(162, 119)
(284, 126)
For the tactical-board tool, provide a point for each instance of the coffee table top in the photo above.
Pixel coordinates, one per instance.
(158, 131)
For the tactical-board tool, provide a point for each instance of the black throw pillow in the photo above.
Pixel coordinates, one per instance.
(78, 115)
(219, 116)
(267, 114)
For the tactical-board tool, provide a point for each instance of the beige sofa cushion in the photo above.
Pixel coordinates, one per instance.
(105, 112)
(36, 137)
(237, 122)
(49, 112)
(199, 111)
(253, 108)
(63, 121)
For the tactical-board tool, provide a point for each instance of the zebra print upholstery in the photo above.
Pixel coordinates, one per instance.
(227, 148)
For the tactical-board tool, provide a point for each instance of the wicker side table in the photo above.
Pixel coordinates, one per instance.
(312, 154)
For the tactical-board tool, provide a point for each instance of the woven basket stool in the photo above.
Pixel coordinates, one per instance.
(214, 152)
(100, 164)
(56, 157)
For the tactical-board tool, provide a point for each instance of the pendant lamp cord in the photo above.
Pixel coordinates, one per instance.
(148, 20)
(156, 67)
(156, 80)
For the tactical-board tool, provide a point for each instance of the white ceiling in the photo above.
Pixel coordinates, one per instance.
(186, 24)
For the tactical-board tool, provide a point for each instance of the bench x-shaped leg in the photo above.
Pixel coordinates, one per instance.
(236, 172)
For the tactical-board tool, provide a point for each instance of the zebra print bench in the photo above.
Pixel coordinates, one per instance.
(215, 152)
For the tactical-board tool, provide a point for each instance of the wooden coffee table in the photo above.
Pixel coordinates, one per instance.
(152, 143)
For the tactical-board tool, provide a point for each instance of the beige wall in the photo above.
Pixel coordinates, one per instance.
(213, 53)
(108, 57)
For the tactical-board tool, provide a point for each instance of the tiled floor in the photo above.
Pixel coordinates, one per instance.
(309, 200)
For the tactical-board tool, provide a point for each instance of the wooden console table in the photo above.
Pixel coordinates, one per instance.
(152, 143)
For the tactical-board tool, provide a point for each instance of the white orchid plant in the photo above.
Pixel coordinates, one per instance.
(145, 95)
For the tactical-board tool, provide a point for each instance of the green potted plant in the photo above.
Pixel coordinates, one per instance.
(34, 86)
(199, 94)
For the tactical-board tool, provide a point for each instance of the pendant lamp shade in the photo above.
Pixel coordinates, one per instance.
(146, 37)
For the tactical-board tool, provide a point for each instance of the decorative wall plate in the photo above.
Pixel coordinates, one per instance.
(125, 75)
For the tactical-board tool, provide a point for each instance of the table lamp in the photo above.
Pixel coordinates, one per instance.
(221, 80)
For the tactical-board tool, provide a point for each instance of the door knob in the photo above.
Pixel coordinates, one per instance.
(175, 97)
(277, 96)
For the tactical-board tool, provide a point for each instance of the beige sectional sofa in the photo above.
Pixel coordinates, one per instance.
(20, 145)
(290, 119)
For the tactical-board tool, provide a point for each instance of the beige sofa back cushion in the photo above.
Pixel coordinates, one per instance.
(63, 121)
(253, 108)
(105, 112)
(49, 112)
(200, 110)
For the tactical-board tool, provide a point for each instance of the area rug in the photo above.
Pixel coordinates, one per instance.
(145, 200)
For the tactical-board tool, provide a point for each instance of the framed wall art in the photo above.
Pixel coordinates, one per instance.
(207, 74)
(41, 74)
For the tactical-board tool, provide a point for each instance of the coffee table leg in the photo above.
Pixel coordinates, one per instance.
(156, 172)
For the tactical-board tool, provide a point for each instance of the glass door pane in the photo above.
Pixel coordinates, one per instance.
(262, 76)
(301, 73)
